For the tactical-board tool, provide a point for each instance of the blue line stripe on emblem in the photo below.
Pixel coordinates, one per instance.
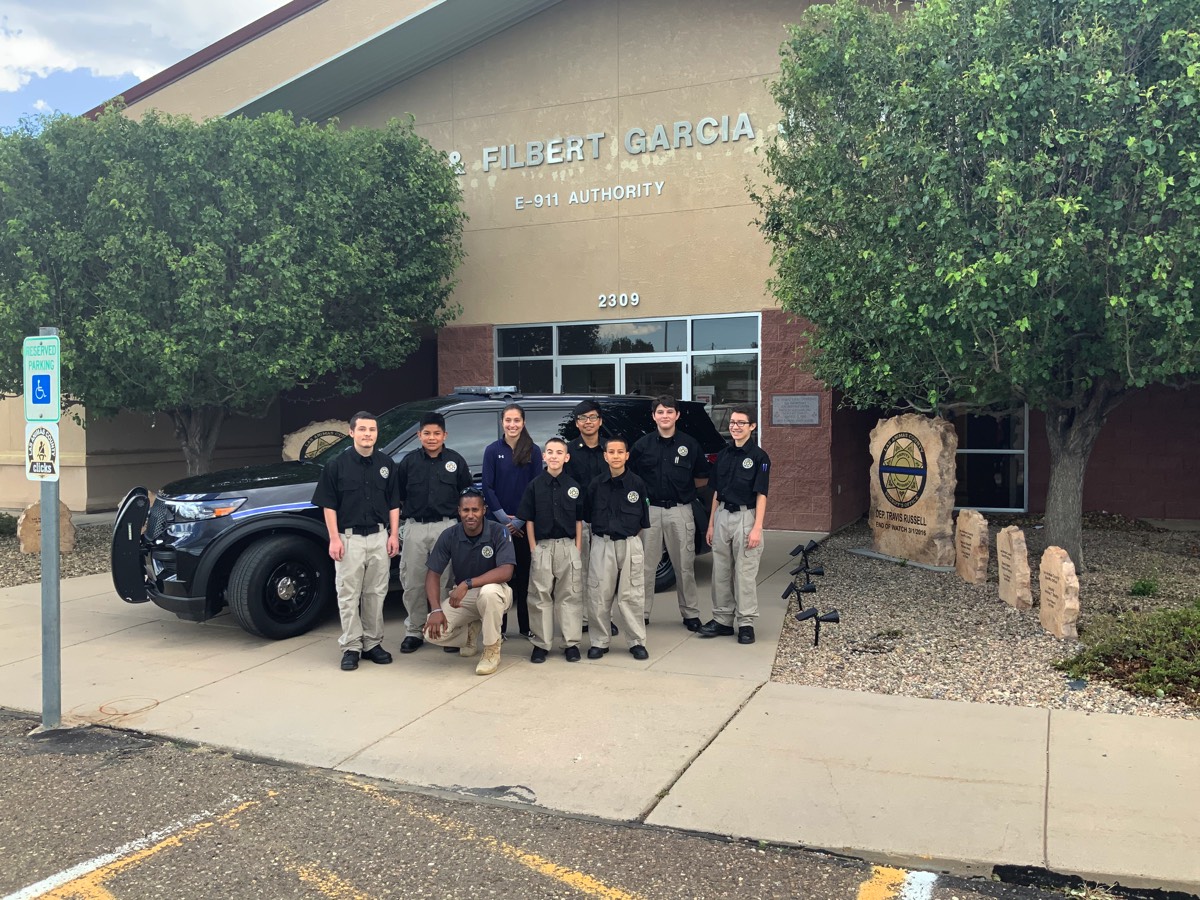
(281, 507)
(901, 470)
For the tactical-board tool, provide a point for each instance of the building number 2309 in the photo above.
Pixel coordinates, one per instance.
(611, 301)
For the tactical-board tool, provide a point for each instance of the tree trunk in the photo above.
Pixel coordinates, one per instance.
(197, 431)
(1072, 433)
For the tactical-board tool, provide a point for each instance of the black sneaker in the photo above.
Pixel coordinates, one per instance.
(378, 655)
(538, 655)
(713, 628)
(411, 644)
(639, 652)
(349, 660)
(572, 654)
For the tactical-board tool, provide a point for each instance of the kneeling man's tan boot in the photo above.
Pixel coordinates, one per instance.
(471, 647)
(490, 661)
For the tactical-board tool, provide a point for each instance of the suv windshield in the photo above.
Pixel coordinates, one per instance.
(392, 424)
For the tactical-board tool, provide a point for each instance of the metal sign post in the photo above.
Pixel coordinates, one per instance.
(43, 409)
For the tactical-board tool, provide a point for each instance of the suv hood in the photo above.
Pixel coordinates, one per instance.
(244, 479)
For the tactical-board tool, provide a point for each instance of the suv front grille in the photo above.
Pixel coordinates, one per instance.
(157, 520)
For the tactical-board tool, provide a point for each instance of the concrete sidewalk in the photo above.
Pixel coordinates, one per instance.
(698, 738)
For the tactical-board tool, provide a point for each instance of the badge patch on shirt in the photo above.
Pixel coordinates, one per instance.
(451, 466)
(487, 552)
(632, 496)
(683, 451)
(573, 493)
(747, 463)
(383, 471)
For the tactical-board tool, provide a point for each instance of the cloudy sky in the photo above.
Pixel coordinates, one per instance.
(71, 55)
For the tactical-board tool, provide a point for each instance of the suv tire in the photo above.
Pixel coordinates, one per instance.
(664, 575)
(279, 587)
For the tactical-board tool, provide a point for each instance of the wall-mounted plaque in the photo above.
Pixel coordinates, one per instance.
(796, 409)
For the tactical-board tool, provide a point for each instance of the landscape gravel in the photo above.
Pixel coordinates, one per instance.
(921, 633)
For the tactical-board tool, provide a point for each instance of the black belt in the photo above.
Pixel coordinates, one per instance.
(428, 520)
(364, 530)
(733, 507)
(666, 504)
(611, 537)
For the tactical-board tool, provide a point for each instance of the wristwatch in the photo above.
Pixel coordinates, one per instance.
(469, 584)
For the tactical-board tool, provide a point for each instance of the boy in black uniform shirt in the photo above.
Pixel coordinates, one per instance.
(358, 494)
(735, 527)
(617, 505)
(552, 508)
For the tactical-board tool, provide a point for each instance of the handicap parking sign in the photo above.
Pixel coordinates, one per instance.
(40, 389)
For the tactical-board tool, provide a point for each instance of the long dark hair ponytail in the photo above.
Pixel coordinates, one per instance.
(523, 451)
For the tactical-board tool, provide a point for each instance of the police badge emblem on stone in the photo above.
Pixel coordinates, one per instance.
(573, 493)
(632, 496)
(451, 466)
(487, 552)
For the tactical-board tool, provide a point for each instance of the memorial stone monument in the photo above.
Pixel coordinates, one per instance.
(971, 546)
(1060, 594)
(29, 529)
(314, 437)
(1012, 559)
(912, 488)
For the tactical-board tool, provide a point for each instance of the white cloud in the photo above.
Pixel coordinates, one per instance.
(41, 106)
(113, 37)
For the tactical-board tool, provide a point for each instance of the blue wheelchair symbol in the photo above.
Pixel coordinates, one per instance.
(41, 390)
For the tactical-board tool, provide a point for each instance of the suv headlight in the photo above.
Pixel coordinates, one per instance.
(194, 510)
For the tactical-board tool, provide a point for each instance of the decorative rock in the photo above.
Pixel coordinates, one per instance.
(313, 438)
(912, 488)
(1060, 594)
(1013, 562)
(29, 529)
(972, 547)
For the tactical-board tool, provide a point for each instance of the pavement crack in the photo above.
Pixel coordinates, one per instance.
(641, 817)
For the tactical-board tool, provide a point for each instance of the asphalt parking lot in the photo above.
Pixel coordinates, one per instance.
(107, 815)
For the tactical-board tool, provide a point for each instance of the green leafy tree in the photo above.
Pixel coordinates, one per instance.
(985, 203)
(198, 269)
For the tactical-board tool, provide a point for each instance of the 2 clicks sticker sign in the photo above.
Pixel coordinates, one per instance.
(41, 451)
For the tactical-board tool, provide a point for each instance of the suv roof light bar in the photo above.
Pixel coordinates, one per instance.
(485, 390)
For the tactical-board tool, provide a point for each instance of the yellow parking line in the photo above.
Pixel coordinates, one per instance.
(884, 883)
(580, 881)
(329, 884)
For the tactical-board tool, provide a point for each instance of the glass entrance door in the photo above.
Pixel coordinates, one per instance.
(626, 375)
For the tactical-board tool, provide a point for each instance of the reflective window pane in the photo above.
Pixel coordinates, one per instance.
(653, 378)
(530, 376)
(618, 337)
(990, 433)
(528, 341)
(990, 480)
(723, 381)
(589, 378)
(726, 333)
(469, 433)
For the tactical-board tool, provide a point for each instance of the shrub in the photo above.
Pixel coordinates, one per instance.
(1155, 653)
(8, 525)
(1144, 587)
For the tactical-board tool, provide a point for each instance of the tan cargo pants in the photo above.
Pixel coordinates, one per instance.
(615, 581)
(555, 578)
(675, 527)
(361, 578)
(486, 604)
(417, 540)
(734, 569)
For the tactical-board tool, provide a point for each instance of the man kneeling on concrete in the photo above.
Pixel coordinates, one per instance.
(480, 553)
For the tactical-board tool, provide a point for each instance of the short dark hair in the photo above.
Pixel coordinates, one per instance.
(433, 418)
(748, 411)
(616, 437)
(362, 414)
(470, 493)
(664, 400)
(583, 407)
(556, 440)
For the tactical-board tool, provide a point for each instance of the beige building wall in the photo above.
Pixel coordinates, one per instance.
(684, 240)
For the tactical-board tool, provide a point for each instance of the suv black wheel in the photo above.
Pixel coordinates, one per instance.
(664, 575)
(279, 587)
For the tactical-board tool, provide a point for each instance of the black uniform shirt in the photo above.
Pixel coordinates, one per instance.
(669, 466)
(618, 505)
(429, 485)
(742, 474)
(553, 505)
(471, 557)
(361, 488)
(586, 463)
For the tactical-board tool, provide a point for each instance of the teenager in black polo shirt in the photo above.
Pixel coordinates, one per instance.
(735, 529)
(617, 505)
(553, 512)
(357, 491)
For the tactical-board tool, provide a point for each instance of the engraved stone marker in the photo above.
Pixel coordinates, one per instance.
(29, 529)
(912, 488)
(1060, 593)
(1012, 559)
(971, 547)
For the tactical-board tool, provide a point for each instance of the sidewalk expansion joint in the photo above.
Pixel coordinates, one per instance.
(641, 817)
(1046, 800)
